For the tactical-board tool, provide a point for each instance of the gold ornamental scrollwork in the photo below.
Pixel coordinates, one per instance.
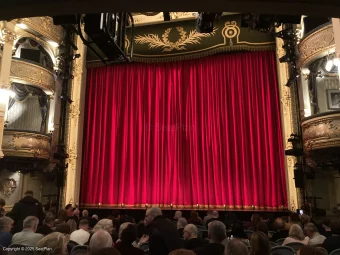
(7, 35)
(8, 186)
(321, 41)
(154, 41)
(31, 74)
(230, 31)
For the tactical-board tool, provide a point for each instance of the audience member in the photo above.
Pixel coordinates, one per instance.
(27, 206)
(163, 234)
(121, 228)
(215, 216)
(28, 235)
(75, 216)
(310, 250)
(47, 226)
(128, 236)
(6, 224)
(55, 241)
(281, 231)
(217, 233)
(259, 244)
(181, 223)
(69, 209)
(305, 219)
(255, 221)
(73, 225)
(81, 236)
(236, 247)
(332, 243)
(191, 240)
(237, 231)
(62, 217)
(207, 217)
(104, 224)
(182, 252)
(314, 236)
(100, 240)
(2, 205)
(262, 227)
(94, 220)
(230, 219)
(195, 219)
(293, 218)
(178, 215)
(326, 227)
(296, 236)
(63, 228)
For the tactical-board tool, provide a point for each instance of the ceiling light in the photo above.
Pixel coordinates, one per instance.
(53, 44)
(329, 65)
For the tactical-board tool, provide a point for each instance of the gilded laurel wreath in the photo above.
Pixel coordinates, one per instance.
(154, 41)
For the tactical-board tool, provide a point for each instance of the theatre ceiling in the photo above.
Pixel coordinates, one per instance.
(29, 8)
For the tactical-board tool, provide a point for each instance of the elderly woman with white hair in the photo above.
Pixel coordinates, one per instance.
(296, 236)
(52, 244)
(104, 224)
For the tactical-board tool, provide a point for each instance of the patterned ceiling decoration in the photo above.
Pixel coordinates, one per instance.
(175, 41)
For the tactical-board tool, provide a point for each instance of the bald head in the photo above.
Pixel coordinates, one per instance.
(101, 239)
(151, 214)
(190, 231)
(217, 231)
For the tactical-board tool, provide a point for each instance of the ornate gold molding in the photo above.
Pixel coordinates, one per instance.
(27, 73)
(7, 35)
(45, 27)
(26, 144)
(321, 132)
(316, 44)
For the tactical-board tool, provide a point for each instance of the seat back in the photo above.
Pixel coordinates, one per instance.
(79, 249)
(282, 250)
(335, 252)
(323, 250)
(280, 241)
(203, 234)
(272, 244)
(70, 246)
(21, 249)
(296, 246)
(249, 233)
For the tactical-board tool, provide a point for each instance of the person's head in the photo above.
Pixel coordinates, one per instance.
(2, 212)
(182, 252)
(28, 193)
(194, 215)
(296, 232)
(76, 212)
(178, 215)
(310, 250)
(6, 224)
(215, 214)
(122, 227)
(104, 224)
(190, 231)
(237, 230)
(56, 241)
(181, 223)
(279, 224)
(129, 234)
(31, 223)
(326, 224)
(72, 224)
(101, 239)
(305, 219)
(262, 227)
(2, 202)
(151, 214)
(69, 207)
(85, 213)
(49, 220)
(63, 216)
(335, 226)
(84, 224)
(216, 231)
(310, 229)
(209, 213)
(259, 244)
(255, 220)
(95, 216)
(63, 228)
(236, 247)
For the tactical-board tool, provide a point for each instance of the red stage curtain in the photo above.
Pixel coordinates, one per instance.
(204, 132)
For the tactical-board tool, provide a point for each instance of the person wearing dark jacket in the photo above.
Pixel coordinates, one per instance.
(127, 237)
(27, 206)
(191, 241)
(332, 243)
(163, 237)
(281, 231)
(47, 226)
(217, 233)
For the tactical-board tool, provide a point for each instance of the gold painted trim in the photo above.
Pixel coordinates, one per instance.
(316, 44)
(31, 74)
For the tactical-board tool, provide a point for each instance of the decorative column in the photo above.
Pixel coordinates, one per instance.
(336, 31)
(75, 126)
(7, 37)
(289, 123)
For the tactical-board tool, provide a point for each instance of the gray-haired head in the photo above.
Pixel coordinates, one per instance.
(217, 231)
(236, 247)
(31, 222)
(190, 231)
(151, 214)
(181, 223)
(101, 239)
